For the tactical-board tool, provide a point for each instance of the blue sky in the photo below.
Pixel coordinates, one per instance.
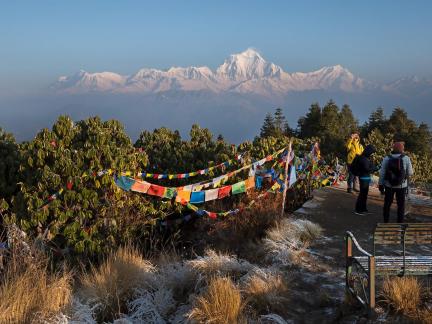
(377, 40)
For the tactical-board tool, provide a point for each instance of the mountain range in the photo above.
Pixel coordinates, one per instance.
(245, 73)
(231, 100)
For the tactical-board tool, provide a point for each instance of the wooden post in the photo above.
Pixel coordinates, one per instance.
(371, 282)
(286, 178)
(348, 256)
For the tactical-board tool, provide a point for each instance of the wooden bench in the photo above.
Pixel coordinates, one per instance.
(361, 283)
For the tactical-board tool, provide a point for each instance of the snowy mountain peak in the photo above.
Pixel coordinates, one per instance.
(250, 53)
(84, 81)
(247, 65)
(245, 72)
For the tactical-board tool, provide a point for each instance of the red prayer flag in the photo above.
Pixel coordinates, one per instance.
(156, 190)
(212, 215)
(224, 192)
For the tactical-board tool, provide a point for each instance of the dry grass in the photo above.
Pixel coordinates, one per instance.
(403, 294)
(218, 263)
(29, 291)
(220, 304)
(114, 283)
(180, 278)
(425, 316)
(266, 291)
(34, 294)
(152, 305)
(233, 232)
(289, 238)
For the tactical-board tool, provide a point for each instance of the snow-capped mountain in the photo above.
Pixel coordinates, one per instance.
(246, 72)
(410, 86)
(85, 82)
(247, 65)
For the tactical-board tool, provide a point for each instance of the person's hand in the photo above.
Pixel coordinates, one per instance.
(381, 189)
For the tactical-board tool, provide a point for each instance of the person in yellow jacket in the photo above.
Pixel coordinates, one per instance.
(354, 148)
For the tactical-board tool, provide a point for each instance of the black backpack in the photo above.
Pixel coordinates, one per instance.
(395, 173)
(355, 166)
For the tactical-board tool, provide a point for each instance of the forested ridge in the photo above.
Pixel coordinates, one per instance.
(93, 214)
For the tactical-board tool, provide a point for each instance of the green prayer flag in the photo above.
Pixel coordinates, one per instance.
(238, 188)
(170, 193)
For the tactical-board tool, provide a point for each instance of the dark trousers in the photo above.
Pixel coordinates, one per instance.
(362, 197)
(400, 200)
(351, 180)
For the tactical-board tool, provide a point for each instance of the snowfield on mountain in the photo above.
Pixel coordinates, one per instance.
(247, 73)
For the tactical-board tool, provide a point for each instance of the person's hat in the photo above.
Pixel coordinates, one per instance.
(398, 147)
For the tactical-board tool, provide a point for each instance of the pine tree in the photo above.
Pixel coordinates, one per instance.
(309, 125)
(400, 124)
(331, 139)
(288, 131)
(421, 140)
(279, 121)
(268, 127)
(378, 120)
(348, 123)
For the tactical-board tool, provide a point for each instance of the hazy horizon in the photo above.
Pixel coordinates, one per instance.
(381, 43)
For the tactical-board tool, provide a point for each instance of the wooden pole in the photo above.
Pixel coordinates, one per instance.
(286, 178)
(348, 258)
(371, 283)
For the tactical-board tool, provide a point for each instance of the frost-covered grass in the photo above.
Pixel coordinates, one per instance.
(213, 263)
(266, 290)
(288, 238)
(127, 288)
(111, 285)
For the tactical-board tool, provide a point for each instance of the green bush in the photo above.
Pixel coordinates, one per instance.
(92, 214)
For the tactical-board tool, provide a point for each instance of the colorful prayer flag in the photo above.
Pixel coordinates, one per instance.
(183, 196)
(258, 182)
(224, 192)
(192, 207)
(293, 176)
(212, 215)
(140, 186)
(124, 182)
(239, 188)
(197, 197)
(156, 190)
(250, 183)
(170, 193)
(211, 194)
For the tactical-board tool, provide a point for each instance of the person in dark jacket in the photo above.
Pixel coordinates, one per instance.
(365, 168)
(398, 186)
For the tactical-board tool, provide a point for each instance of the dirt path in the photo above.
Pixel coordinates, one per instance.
(320, 280)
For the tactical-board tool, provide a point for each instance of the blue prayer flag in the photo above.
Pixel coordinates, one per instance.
(197, 197)
(124, 182)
